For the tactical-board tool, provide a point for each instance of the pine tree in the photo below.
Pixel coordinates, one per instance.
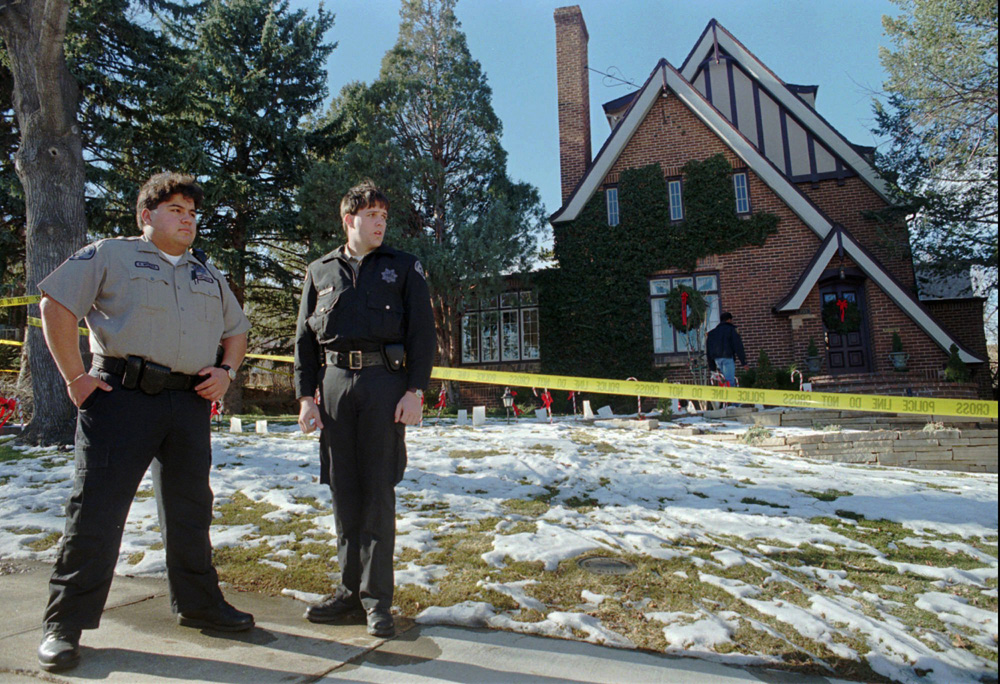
(941, 121)
(427, 133)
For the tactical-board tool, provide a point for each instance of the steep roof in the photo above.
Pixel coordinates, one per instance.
(666, 80)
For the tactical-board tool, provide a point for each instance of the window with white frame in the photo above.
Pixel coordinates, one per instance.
(674, 193)
(667, 340)
(742, 193)
(503, 328)
(611, 196)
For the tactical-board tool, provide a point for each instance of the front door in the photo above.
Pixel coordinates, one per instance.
(847, 353)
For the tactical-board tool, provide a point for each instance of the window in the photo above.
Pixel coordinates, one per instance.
(742, 193)
(676, 201)
(504, 328)
(666, 340)
(611, 195)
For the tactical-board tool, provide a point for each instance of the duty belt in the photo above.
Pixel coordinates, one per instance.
(173, 381)
(353, 360)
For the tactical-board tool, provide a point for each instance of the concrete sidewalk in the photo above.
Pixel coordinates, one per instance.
(140, 641)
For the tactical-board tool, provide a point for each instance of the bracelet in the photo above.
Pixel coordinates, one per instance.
(68, 384)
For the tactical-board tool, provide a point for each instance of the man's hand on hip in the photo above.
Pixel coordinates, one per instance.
(309, 418)
(83, 387)
(408, 409)
(214, 388)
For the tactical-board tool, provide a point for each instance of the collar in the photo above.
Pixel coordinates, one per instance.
(144, 244)
(341, 253)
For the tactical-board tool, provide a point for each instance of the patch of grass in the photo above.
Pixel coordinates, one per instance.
(605, 448)
(850, 515)
(136, 558)
(144, 494)
(462, 470)
(46, 542)
(542, 449)
(156, 546)
(475, 453)
(26, 530)
(755, 434)
(754, 501)
(700, 495)
(528, 507)
(826, 495)
(8, 454)
(578, 502)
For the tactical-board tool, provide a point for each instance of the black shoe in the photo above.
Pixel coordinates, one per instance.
(332, 610)
(221, 617)
(380, 623)
(59, 650)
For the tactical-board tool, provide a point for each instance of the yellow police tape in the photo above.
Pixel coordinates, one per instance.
(824, 400)
(20, 301)
(924, 406)
(12, 343)
(37, 322)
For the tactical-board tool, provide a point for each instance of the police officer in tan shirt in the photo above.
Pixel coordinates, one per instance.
(157, 314)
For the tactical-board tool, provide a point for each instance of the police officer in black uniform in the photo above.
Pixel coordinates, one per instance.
(157, 313)
(365, 339)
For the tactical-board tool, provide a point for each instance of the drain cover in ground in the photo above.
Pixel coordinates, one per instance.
(599, 565)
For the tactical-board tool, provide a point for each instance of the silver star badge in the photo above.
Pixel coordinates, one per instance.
(389, 275)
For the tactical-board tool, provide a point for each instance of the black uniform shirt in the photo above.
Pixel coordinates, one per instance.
(386, 301)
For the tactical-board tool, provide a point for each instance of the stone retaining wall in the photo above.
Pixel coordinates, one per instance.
(951, 443)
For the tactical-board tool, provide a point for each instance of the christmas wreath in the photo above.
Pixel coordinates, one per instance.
(685, 308)
(841, 316)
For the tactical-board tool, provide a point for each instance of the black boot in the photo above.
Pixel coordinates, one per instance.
(221, 617)
(59, 650)
(380, 623)
(332, 609)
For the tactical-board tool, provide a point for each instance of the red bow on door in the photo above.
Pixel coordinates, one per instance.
(684, 309)
(842, 304)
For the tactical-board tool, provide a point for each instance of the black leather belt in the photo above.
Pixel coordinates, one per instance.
(174, 381)
(353, 360)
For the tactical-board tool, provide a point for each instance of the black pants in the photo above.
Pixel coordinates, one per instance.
(118, 435)
(363, 455)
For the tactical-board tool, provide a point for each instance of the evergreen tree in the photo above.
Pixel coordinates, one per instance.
(941, 121)
(427, 133)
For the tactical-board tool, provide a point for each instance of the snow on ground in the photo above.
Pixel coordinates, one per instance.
(623, 492)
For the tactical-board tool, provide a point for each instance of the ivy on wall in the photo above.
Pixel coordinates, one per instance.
(594, 309)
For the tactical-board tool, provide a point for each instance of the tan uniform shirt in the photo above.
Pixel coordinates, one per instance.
(136, 302)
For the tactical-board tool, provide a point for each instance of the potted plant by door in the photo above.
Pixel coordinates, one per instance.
(812, 357)
(897, 355)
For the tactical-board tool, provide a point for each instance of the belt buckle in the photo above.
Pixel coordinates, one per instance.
(354, 360)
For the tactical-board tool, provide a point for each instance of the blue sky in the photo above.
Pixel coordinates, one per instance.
(832, 44)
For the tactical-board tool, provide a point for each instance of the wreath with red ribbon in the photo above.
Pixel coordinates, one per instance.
(841, 316)
(685, 308)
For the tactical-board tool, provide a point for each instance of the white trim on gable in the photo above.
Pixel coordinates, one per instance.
(806, 114)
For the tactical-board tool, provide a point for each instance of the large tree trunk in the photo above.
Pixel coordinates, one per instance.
(49, 164)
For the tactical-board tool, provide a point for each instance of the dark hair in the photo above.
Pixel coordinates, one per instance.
(363, 195)
(163, 186)
(726, 317)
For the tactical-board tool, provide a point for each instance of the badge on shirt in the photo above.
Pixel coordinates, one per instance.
(87, 252)
(419, 269)
(200, 273)
(389, 275)
(146, 264)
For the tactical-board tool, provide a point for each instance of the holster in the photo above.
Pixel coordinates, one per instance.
(153, 378)
(393, 355)
(133, 371)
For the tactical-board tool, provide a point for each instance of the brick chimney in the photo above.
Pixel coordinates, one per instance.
(573, 86)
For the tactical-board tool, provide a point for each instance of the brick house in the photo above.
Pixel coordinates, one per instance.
(789, 161)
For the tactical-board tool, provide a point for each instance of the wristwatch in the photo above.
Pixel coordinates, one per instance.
(229, 370)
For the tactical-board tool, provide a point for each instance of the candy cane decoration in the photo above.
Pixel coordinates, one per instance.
(572, 397)
(795, 372)
(441, 403)
(638, 399)
(421, 424)
(7, 409)
(517, 412)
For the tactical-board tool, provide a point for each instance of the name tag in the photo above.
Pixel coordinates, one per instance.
(146, 264)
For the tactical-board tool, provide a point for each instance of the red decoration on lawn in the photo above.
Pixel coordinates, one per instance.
(517, 412)
(684, 308)
(842, 304)
(216, 409)
(7, 409)
(547, 403)
(442, 399)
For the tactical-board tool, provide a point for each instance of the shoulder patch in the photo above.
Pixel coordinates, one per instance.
(419, 269)
(85, 253)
